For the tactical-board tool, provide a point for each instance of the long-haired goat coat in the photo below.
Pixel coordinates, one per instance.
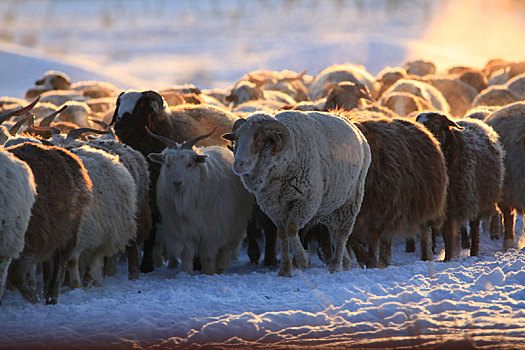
(303, 167)
(204, 206)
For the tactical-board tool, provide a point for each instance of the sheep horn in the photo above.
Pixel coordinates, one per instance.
(168, 142)
(104, 125)
(19, 111)
(14, 129)
(275, 126)
(76, 133)
(191, 143)
(44, 132)
(49, 119)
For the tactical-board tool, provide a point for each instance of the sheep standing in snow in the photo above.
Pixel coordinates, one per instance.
(109, 223)
(474, 158)
(17, 195)
(204, 207)
(509, 123)
(64, 191)
(138, 109)
(303, 167)
(408, 168)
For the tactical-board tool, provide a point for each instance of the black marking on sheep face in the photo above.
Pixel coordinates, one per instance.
(135, 110)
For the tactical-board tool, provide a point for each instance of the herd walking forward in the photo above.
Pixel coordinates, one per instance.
(93, 175)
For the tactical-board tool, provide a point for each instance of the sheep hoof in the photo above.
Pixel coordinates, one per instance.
(335, 268)
(509, 244)
(285, 270)
(51, 301)
(300, 261)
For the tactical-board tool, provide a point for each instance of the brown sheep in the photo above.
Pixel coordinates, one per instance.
(474, 157)
(408, 168)
(63, 192)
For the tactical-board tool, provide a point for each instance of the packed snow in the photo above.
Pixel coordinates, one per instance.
(470, 301)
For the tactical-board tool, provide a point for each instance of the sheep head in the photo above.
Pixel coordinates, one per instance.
(258, 134)
(439, 125)
(180, 163)
(347, 95)
(134, 110)
(245, 91)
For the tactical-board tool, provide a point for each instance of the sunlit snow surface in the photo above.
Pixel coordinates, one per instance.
(478, 300)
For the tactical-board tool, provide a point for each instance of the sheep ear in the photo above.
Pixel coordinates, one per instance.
(229, 136)
(156, 157)
(200, 158)
(453, 124)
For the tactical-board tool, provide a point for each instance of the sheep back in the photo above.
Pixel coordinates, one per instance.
(509, 123)
(64, 190)
(408, 168)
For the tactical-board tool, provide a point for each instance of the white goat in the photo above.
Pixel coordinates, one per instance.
(204, 207)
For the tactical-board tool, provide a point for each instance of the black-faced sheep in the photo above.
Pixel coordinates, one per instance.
(138, 109)
(509, 123)
(474, 158)
(17, 196)
(408, 168)
(204, 206)
(64, 192)
(303, 167)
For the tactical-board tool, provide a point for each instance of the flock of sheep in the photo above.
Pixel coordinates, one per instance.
(91, 174)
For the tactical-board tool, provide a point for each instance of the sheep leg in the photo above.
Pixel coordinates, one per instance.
(410, 245)
(186, 258)
(373, 244)
(425, 244)
(340, 238)
(95, 271)
(270, 243)
(450, 233)
(74, 273)
(495, 226)
(60, 259)
(252, 232)
(133, 261)
(465, 242)
(360, 253)
(474, 235)
(300, 255)
(285, 269)
(508, 221)
(19, 269)
(433, 235)
(4, 265)
(385, 251)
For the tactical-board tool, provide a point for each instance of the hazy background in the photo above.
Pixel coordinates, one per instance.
(211, 43)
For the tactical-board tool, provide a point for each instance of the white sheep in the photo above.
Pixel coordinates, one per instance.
(421, 89)
(340, 73)
(204, 207)
(109, 223)
(302, 168)
(17, 195)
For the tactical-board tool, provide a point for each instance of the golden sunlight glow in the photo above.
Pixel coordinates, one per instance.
(473, 31)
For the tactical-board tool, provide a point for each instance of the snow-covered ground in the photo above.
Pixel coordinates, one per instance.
(470, 301)
(149, 44)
